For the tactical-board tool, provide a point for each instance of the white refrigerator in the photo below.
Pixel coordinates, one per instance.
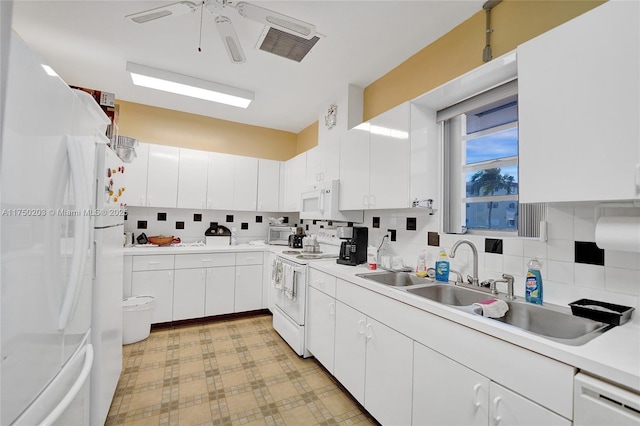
(47, 165)
(107, 282)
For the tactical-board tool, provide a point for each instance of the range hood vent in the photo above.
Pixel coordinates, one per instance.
(285, 44)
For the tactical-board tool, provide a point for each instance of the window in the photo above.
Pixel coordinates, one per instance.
(481, 162)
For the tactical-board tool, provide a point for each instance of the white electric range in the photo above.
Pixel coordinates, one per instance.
(289, 272)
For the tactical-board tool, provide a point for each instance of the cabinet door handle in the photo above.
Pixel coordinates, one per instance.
(332, 309)
(496, 417)
(361, 327)
(476, 391)
(369, 332)
(373, 200)
(365, 200)
(148, 201)
(638, 177)
(320, 283)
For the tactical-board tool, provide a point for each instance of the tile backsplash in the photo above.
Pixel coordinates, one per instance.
(572, 266)
(190, 225)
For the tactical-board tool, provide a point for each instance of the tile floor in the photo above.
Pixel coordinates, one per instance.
(230, 372)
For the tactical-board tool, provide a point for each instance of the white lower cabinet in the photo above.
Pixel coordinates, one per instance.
(152, 275)
(248, 288)
(447, 393)
(320, 330)
(375, 364)
(220, 290)
(509, 408)
(187, 286)
(188, 293)
(158, 284)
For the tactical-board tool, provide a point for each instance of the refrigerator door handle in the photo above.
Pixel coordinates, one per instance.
(73, 392)
(81, 231)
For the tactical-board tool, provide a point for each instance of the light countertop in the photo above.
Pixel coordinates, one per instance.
(613, 355)
(155, 250)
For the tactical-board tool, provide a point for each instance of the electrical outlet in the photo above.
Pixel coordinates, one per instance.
(392, 234)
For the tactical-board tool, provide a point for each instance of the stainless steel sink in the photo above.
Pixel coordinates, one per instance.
(449, 294)
(395, 279)
(551, 323)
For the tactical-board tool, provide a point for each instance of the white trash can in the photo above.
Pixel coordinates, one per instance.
(136, 318)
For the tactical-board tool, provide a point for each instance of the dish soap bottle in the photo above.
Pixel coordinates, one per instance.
(442, 266)
(533, 285)
(421, 265)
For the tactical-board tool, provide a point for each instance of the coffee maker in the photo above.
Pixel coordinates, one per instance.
(353, 250)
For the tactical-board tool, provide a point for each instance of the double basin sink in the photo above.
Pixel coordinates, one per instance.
(549, 321)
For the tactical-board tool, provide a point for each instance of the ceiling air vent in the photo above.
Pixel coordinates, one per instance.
(286, 45)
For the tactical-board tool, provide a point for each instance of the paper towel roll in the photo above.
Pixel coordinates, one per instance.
(618, 233)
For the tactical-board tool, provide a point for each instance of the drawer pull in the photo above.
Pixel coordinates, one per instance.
(207, 260)
(154, 262)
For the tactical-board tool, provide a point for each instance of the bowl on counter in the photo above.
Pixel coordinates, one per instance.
(161, 240)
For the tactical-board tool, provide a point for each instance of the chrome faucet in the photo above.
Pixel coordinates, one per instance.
(506, 278)
(474, 279)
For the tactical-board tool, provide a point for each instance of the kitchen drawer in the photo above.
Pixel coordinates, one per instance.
(204, 260)
(321, 281)
(152, 262)
(250, 258)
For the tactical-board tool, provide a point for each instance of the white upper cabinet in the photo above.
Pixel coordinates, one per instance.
(232, 182)
(579, 108)
(425, 155)
(245, 183)
(375, 164)
(268, 185)
(389, 158)
(220, 181)
(192, 181)
(295, 174)
(354, 170)
(162, 176)
(136, 184)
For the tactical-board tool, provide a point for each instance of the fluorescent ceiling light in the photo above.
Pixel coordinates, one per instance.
(181, 84)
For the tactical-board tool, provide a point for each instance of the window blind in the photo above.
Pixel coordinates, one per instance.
(492, 95)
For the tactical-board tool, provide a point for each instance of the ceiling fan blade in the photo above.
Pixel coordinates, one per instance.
(173, 9)
(230, 39)
(276, 20)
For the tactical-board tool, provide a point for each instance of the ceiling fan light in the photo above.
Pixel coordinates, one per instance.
(301, 30)
(230, 39)
(275, 19)
(185, 85)
(180, 8)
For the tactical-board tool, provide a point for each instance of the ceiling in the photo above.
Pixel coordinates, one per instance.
(89, 42)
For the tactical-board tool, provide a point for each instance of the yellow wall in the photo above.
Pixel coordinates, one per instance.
(307, 139)
(458, 51)
(168, 127)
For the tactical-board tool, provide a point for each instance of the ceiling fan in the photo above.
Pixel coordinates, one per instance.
(285, 36)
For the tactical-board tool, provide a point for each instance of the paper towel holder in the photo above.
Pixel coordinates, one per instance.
(635, 204)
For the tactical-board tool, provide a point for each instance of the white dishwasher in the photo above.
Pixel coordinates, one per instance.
(600, 403)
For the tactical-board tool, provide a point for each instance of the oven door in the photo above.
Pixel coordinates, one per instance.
(290, 297)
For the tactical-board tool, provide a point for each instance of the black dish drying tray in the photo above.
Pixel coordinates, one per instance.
(608, 313)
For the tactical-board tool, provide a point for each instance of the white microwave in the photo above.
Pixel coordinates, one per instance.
(320, 202)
